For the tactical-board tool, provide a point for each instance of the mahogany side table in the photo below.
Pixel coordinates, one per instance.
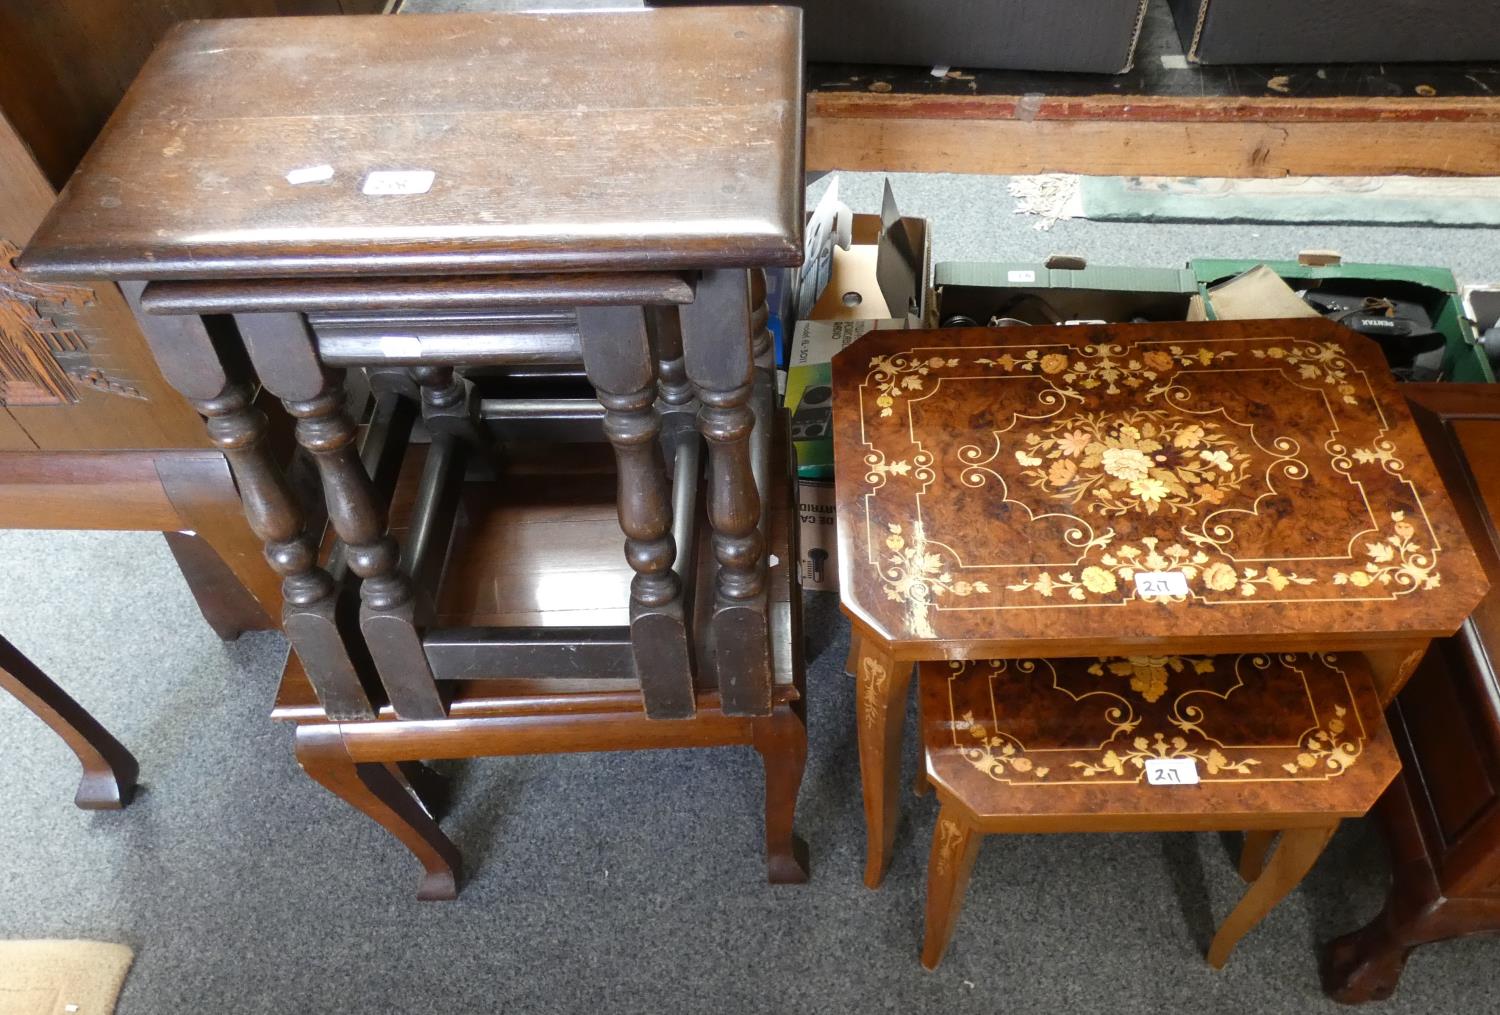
(1441, 817)
(1129, 490)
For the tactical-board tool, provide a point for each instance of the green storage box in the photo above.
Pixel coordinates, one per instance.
(1435, 288)
(981, 290)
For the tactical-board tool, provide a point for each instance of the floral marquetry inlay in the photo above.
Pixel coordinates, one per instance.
(1136, 460)
(1209, 478)
(1035, 723)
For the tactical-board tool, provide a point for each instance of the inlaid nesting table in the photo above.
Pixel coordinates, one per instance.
(1130, 491)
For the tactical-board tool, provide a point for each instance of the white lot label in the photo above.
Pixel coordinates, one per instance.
(403, 181)
(1161, 583)
(400, 346)
(1020, 276)
(309, 174)
(1171, 771)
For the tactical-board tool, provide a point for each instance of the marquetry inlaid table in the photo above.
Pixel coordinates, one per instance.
(1279, 746)
(1129, 490)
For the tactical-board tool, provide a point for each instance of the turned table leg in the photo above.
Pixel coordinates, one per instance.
(187, 349)
(955, 845)
(880, 703)
(1294, 857)
(109, 770)
(618, 358)
(719, 355)
(284, 352)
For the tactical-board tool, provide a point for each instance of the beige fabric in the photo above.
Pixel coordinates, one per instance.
(61, 977)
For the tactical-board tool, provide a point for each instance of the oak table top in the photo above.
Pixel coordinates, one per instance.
(508, 143)
(1224, 487)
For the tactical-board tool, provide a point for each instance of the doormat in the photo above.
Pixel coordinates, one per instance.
(61, 977)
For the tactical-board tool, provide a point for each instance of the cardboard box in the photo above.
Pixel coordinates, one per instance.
(1093, 36)
(861, 272)
(1482, 310)
(1435, 289)
(818, 569)
(1336, 31)
(973, 293)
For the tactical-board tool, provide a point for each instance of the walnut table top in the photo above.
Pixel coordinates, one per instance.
(1225, 487)
(1274, 740)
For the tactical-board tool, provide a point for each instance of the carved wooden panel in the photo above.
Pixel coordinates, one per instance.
(1283, 733)
(1152, 481)
(44, 361)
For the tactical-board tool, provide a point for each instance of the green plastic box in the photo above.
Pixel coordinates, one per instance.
(1464, 360)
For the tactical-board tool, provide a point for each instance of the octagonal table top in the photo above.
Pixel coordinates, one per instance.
(1230, 486)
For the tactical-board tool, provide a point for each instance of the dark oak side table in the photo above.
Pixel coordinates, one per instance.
(1133, 491)
(532, 232)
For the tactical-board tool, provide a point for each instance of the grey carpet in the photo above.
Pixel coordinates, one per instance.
(617, 882)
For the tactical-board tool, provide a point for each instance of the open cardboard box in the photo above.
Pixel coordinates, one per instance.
(861, 272)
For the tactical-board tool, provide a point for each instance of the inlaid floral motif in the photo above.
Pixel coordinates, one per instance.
(1120, 566)
(1324, 362)
(949, 836)
(1115, 762)
(1138, 460)
(877, 680)
(1398, 560)
(877, 468)
(1166, 723)
(1384, 452)
(997, 756)
(894, 376)
(1105, 365)
(1149, 674)
(916, 577)
(1324, 746)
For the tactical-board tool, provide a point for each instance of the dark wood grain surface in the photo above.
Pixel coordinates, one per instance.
(1064, 742)
(1441, 819)
(551, 149)
(1003, 490)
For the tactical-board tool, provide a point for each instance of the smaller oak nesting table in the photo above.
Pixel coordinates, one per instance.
(1134, 491)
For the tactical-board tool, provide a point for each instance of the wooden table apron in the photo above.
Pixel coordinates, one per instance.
(1000, 491)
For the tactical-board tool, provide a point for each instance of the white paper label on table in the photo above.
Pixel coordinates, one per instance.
(1020, 276)
(310, 174)
(1171, 771)
(1161, 583)
(400, 346)
(403, 181)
